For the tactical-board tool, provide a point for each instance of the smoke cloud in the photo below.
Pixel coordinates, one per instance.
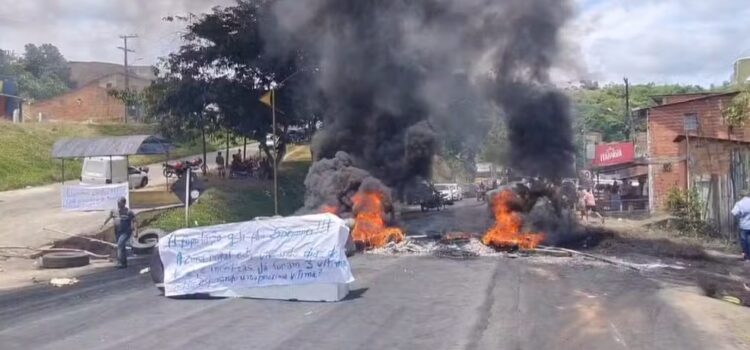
(401, 77)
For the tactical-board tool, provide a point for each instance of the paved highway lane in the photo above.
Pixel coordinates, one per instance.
(396, 303)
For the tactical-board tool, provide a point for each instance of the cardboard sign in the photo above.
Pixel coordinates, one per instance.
(86, 198)
(284, 251)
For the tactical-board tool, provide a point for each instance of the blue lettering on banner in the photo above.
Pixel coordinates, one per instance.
(255, 254)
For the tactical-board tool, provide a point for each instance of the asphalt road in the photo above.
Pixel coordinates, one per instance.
(396, 303)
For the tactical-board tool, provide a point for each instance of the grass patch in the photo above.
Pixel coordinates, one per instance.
(26, 160)
(151, 199)
(240, 200)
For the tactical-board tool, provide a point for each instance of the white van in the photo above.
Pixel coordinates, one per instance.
(451, 192)
(97, 171)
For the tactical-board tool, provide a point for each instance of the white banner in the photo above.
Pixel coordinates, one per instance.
(283, 251)
(95, 197)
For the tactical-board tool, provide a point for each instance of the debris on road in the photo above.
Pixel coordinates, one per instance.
(83, 237)
(62, 282)
(145, 270)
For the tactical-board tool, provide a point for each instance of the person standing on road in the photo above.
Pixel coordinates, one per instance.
(125, 224)
(220, 165)
(741, 211)
(590, 202)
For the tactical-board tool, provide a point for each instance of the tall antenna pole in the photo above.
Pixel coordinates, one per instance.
(125, 50)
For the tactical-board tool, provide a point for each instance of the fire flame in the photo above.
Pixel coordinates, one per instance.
(369, 226)
(506, 232)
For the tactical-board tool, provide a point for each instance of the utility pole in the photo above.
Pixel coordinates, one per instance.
(275, 154)
(125, 50)
(628, 115)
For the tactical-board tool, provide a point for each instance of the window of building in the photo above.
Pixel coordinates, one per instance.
(690, 122)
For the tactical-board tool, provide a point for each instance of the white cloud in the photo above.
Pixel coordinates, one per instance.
(663, 41)
(88, 30)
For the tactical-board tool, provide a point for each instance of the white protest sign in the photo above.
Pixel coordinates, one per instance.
(284, 251)
(94, 197)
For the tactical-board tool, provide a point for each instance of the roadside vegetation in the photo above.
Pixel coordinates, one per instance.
(233, 200)
(25, 158)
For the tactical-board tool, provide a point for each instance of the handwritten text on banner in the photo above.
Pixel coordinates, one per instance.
(283, 251)
(100, 197)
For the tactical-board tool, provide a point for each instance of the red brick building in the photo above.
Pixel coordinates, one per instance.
(690, 146)
(89, 103)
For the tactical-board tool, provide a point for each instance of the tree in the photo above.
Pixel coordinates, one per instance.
(45, 62)
(225, 64)
(8, 64)
(602, 109)
(738, 111)
(41, 73)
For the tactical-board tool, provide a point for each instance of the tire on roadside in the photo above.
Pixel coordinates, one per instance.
(350, 247)
(147, 241)
(148, 234)
(156, 269)
(61, 260)
(146, 248)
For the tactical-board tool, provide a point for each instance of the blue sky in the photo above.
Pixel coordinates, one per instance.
(662, 41)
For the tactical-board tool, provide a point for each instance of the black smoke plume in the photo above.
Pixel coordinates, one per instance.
(400, 77)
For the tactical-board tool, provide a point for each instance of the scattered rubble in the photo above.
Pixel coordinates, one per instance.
(456, 246)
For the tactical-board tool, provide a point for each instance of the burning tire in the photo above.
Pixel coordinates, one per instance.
(60, 260)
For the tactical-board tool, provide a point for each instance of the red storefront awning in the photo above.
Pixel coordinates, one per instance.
(610, 154)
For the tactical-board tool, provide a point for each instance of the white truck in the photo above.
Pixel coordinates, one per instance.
(112, 170)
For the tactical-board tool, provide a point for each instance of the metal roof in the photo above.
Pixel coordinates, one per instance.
(109, 146)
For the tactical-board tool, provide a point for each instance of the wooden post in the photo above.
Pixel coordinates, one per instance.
(687, 160)
(62, 181)
(166, 163)
(127, 177)
(204, 165)
(226, 159)
(244, 147)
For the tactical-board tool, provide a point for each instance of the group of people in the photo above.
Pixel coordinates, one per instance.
(242, 167)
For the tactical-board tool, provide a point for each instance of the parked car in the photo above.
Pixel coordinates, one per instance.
(451, 191)
(108, 170)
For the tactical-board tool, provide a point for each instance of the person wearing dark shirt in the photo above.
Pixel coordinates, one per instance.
(125, 223)
(220, 165)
